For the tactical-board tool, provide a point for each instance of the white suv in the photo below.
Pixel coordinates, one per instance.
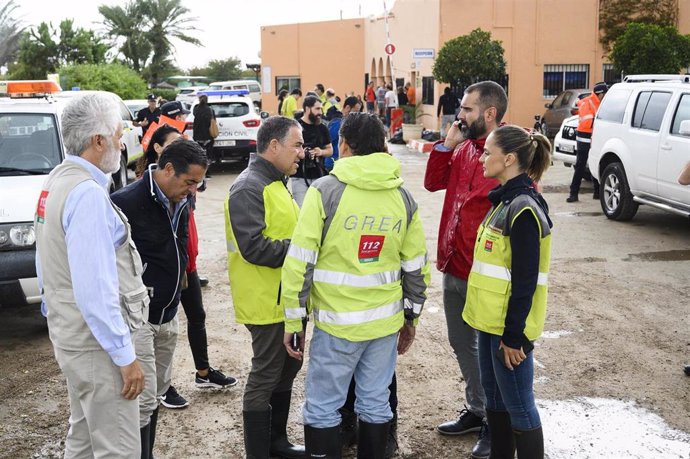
(238, 124)
(640, 144)
(30, 147)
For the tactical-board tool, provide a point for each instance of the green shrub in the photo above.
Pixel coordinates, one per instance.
(116, 78)
(167, 94)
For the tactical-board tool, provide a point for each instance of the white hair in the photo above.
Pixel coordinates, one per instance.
(87, 116)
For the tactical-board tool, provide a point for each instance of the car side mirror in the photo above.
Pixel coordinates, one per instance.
(264, 115)
(684, 128)
(548, 105)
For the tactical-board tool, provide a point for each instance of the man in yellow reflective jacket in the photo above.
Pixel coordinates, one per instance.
(358, 263)
(260, 216)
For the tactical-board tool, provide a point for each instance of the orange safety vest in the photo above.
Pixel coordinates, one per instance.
(587, 109)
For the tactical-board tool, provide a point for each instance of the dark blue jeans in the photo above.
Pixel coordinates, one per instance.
(508, 390)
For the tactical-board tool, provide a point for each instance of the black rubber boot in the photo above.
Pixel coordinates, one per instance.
(145, 433)
(392, 441)
(280, 446)
(502, 440)
(257, 434)
(371, 440)
(152, 434)
(322, 443)
(530, 443)
(348, 427)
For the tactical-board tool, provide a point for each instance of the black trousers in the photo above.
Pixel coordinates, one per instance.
(193, 305)
(581, 169)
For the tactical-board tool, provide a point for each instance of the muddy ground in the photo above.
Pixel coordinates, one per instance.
(609, 376)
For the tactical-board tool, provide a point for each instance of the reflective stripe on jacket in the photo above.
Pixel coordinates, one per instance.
(489, 284)
(260, 216)
(587, 110)
(358, 257)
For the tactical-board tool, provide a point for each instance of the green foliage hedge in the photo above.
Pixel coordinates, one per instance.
(116, 78)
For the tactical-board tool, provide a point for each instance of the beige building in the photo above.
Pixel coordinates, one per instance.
(550, 45)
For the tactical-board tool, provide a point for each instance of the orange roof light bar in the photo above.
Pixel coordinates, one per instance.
(28, 88)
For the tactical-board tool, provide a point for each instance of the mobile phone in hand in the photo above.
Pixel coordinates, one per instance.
(294, 344)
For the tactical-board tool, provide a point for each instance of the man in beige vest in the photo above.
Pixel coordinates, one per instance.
(90, 277)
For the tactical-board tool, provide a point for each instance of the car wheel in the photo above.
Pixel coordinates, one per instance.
(119, 178)
(615, 196)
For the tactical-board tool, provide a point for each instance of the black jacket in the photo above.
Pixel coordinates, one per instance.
(163, 249)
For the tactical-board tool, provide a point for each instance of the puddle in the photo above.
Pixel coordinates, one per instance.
(577, 214)
(556, 334)
(668, 255)
(588, 428)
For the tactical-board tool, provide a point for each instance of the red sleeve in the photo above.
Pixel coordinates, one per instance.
(192, 243)
(437, 169)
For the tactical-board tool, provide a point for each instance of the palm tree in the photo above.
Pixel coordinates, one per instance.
(128, 26)
(169, 20)
(10, 33)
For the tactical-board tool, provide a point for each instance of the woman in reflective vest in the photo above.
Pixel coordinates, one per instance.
(507, 288)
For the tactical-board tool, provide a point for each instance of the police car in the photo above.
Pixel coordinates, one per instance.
(30, 147)
(564, 145)
(238, 123)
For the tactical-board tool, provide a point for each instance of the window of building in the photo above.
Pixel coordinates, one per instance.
(650, 109)
(558, 78)
(428, 90)
(682, 113)
(610, 75)
(614, 108)
(288, 83)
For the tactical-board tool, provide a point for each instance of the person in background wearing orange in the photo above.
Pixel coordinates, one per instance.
(411, 94)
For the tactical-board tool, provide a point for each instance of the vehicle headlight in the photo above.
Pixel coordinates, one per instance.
(17, 235)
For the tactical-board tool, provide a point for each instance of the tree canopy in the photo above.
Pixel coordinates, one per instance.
(43, 49)
(649, 48)
(144, 31)
(615, 15)
(220, 70)
(467, 59)
(10, 33)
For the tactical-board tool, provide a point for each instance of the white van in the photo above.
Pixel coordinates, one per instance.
(252, 86)
(30, 147)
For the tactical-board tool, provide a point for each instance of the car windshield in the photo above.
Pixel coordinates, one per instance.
(229, 109)
(29, 143)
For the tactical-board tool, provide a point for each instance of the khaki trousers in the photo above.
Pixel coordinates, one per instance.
(155, 346)
(102, 424)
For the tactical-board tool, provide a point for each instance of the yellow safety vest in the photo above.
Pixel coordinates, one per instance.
(256, 289)
(358, 257)
(489, 284)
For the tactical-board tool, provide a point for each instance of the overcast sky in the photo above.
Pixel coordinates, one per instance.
(227, 28)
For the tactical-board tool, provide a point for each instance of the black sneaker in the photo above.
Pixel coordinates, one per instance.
(466, 423)
(215, 379)
(203, 281)
(571, 198)
(173, 400)
(687, 370)
(482, 450)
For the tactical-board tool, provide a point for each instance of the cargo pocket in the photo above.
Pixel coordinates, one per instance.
(135, 308)
(488, 300)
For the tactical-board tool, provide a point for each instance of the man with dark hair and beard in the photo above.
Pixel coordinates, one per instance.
(317, 145)
(454, 166)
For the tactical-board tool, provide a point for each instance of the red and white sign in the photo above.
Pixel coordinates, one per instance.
(389, 49)
(370, 247)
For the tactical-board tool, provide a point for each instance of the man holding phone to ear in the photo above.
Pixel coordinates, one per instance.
(454, 166)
